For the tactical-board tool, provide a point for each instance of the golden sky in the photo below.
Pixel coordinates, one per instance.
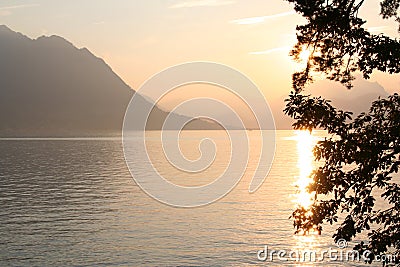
(140, 38)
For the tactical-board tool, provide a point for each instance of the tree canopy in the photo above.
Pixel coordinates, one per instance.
(339, 44)
(361, 155)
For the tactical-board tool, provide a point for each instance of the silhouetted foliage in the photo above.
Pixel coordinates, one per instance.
(338, 43)
(360, 156)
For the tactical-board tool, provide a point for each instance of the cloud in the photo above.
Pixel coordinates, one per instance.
(202, 3)
(270, 51)
(379, 29)
(256, 20)
(6, 10)
(17, 6)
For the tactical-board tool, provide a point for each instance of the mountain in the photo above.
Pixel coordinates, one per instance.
(358, 99)
(48, 87)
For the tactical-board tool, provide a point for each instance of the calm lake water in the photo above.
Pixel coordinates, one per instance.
(73, 203)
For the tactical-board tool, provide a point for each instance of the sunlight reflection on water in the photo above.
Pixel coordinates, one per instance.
(305, 164)
(305, 143)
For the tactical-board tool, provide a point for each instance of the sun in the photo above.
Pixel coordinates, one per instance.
(304, 55)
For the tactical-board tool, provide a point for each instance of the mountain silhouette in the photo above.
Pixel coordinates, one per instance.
(48, 87)
(356, 100)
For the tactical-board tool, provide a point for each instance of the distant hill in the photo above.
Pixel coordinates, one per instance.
(358, 99)
(48, 87)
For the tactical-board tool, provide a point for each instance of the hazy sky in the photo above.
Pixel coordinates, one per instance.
(140, 38)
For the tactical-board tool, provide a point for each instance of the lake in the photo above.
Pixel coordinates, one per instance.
(73, 202)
